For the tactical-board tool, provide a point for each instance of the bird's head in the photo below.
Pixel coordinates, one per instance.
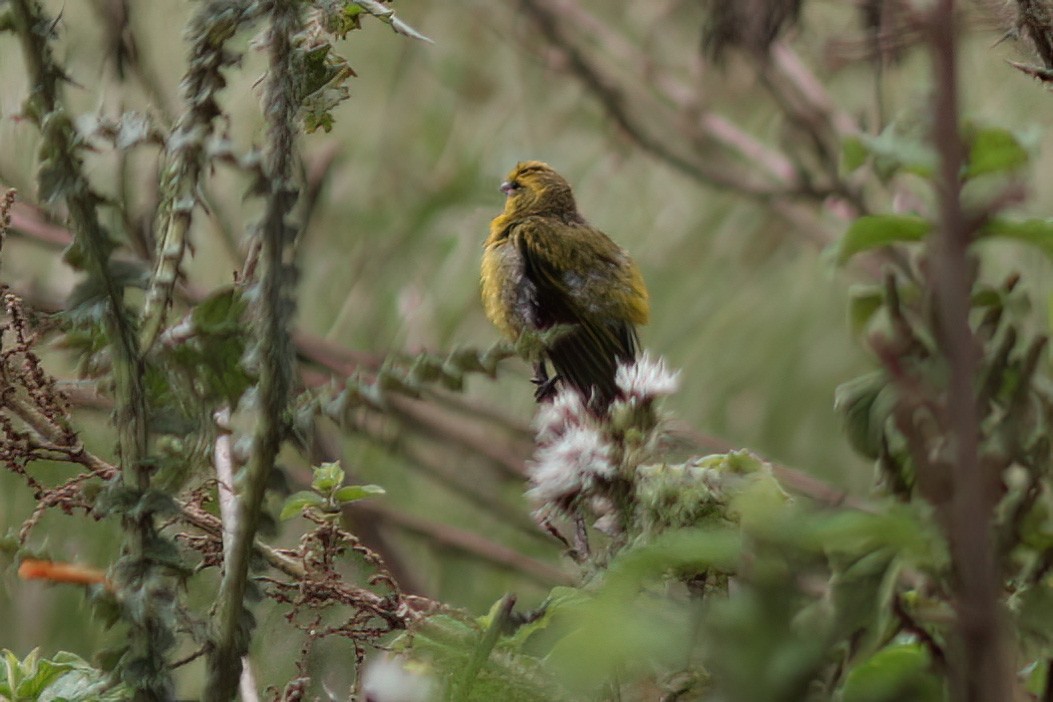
(533, 188)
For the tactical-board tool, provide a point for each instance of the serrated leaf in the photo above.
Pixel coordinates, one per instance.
(163, 551)
(54, 182)
(298, 502)
(154, 503)
(874, 231)
(220, 312)
(43, 674)
(351, 493)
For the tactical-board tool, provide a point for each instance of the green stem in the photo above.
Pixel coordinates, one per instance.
(274, 309)
(499, 623)
(211, 28)
(137, 576)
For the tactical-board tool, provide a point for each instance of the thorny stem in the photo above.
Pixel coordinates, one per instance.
(150, 636)
(980, 674)
(185, 149)
(274, 312)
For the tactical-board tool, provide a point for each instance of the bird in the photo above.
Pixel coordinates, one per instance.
(544, 266)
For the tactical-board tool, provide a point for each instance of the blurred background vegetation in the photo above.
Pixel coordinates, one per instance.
(744, 300)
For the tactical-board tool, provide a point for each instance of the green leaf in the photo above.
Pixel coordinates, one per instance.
(683, 549)
(896, 149)
(853, 154)
(220, 312)
(154, 503)
(66, 677)
(892, 674)
(860, 593)
(994, 150)
(863, 303)
(1033, 608)
(297, 503)
(1036, 232)
(1037, 672)
(559, 599)
(351, 493)
(12, 673)
(327, 477)
(864, 417)
(873, 231)
(43, 675)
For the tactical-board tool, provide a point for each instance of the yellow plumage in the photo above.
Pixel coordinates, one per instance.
(544, 265)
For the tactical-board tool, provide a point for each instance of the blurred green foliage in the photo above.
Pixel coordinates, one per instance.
(750, 309)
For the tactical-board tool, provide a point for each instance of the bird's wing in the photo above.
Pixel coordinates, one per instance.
(586, 355)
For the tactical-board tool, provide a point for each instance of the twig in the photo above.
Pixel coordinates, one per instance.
(716, 172)
(222, 456)
(911, 626)
(698, 125)
(386, 15)
(228, 509)
(444, 535)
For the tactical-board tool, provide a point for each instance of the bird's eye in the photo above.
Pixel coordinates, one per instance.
(510, 186)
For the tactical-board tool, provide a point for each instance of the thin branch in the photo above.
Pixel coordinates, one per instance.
(444, 535)
(444, 470)
(715, 171)
(699, 125)
(386, 15)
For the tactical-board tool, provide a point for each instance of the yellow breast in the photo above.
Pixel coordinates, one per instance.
(502, 269)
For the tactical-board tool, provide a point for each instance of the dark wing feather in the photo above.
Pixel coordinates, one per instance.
(587, 354)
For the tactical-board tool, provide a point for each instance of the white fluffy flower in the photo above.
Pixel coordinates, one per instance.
(567, 409)
(572, 462)
(646, 378)
(389, 679)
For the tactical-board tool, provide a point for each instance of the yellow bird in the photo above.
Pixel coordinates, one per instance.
(544, 266)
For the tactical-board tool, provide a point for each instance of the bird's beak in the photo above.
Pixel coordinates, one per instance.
(508, 187)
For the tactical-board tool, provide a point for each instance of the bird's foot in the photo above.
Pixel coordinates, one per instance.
(546, 388)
